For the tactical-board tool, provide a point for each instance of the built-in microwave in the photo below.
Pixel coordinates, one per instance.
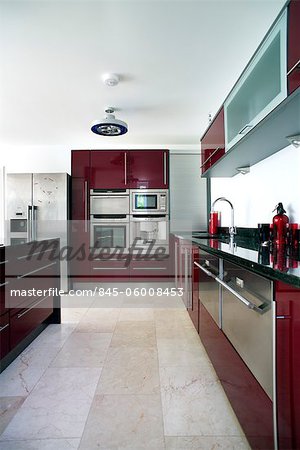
(149, 201)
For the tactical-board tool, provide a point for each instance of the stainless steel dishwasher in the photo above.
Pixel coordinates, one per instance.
(247, 320)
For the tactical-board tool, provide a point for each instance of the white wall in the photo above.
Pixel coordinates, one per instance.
(254, 196)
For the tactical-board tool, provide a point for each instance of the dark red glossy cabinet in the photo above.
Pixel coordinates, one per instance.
(80, 163)
(80, 236)
(4, 335)
(109, 169)
(194, 307)
(213, 142)
(288, 365)
(149, 169)
(293, 46)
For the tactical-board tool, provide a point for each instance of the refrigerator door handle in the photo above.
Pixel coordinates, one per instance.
(29, 227)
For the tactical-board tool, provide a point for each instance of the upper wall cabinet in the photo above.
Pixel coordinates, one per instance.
(293, 46)
(263, 108)
(261, 87)
(149, 169)
(213, 142)
(109, 169)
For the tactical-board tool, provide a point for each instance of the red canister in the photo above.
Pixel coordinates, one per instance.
(214, 222)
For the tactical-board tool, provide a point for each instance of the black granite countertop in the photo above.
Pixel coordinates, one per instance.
(279, 263)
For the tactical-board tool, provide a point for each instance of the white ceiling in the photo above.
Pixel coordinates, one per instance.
(177, 61)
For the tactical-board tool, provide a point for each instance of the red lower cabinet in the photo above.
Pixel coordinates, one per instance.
(4, 335)
(250, 403)
(288, 365)
(193, 310)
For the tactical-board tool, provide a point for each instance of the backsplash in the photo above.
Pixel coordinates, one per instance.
(254, 196)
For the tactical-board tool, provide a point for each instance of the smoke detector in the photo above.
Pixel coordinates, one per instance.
(110, 126)
(110, 79)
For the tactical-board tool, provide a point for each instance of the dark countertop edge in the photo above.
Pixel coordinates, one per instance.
(259, 269)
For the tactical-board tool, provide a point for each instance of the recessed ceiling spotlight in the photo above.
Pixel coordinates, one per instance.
(110, 79)
(294, 140)
(110, 126)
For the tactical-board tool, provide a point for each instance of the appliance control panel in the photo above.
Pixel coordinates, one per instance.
(162, 202)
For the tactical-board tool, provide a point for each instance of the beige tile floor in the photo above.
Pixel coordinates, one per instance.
(125, 373)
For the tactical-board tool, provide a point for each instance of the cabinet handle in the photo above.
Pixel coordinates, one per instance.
(165, 168)
(149, 268)
(36, 270)
(294, 67)
(125, 167)
(259, 309)
(109, 268)
(210, 274)
(85, 205)
(210, 156)
(4, 284)
(31, 307)
(176, 264)
(3, 328)
(244, 129)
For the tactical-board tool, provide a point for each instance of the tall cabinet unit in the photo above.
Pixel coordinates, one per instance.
(80, 236)
(288, 365)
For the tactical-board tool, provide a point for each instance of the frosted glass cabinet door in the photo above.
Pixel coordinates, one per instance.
(261, 87)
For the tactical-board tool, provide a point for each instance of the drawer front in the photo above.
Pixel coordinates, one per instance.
(4, 335)
(149, 269)
(110, 269)
(23, 321)
(44, 278)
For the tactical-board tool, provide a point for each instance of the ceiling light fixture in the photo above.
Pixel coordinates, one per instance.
(243, 170)
(110, 79)
(110, 126)
(294, 140)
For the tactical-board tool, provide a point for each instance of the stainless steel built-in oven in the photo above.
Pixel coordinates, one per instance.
(149, 232)
(149, 201)
(109, 232)
(111, 202)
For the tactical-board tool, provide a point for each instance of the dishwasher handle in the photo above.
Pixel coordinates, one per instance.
(259, 309)
(210, 274)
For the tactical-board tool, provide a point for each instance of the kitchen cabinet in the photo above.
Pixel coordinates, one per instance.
(288, 365)
(80, 163)
(261, 87)
(194, 307)
(109, 169)
(150, 269)
(79, 228)
(293, 67)
(213, 142)
(4, 335)
(149, 169)
(26, 267)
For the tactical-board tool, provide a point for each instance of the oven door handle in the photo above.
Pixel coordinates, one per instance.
(108, 196)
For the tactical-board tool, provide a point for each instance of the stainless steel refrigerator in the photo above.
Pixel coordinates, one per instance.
(37, 208)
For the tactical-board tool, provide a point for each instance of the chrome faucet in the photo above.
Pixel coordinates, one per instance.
(232, 228)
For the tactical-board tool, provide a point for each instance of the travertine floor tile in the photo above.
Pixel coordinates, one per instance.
(206, 443)
(41, 444)
(83, 350)
(57, 407)
(194, 403)
(136, 314)
(134, 334)
(99, 320)
(8, 408)
(131, 422)
(130, 370)
(181, 352)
